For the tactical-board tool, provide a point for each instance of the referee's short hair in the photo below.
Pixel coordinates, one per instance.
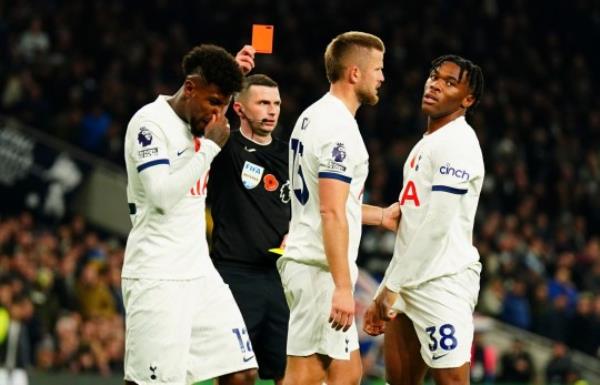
(255, 80)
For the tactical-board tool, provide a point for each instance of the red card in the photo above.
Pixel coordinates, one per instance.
(262, 38)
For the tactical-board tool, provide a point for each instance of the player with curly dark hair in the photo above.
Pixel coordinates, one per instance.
(182, 322)
(425, 303)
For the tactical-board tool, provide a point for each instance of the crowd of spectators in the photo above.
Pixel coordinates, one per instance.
(516, 365)
(61, 288)
(79, 70)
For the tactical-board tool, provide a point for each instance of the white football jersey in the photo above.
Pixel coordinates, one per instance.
(443, 176)
(167, 171)
(325, 143)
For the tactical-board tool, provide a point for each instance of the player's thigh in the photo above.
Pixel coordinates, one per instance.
(158, 328)
(220, 341)
(452, 376)
(345, 372)
(401, 349)
(306, 370)
(309, 290)
(442, 312)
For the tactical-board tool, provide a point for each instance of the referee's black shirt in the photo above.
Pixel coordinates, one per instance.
(249, 195)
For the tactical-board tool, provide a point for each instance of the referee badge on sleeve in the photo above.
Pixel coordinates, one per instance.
(251, 175)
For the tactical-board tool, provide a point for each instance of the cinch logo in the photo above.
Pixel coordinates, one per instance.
(449, 170)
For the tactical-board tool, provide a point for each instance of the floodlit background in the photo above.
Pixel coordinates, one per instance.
(73, 73)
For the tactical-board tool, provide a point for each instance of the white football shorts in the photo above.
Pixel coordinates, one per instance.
(308, 291)
(441, 311)
(183, 331)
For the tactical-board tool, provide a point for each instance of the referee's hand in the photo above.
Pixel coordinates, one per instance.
(245, 58)
(342, 309)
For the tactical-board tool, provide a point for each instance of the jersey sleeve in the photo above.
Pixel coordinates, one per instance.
(336, 158)
(453, 167)
(148, 146)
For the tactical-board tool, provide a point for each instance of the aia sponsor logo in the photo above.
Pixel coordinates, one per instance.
(409, 193)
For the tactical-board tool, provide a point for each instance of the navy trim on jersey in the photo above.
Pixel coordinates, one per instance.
(333, 175)
(144, 166)
(449, 189)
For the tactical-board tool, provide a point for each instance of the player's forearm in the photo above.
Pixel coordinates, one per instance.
(372, 215)
(335, 240)
(165, 189)
(429, 237)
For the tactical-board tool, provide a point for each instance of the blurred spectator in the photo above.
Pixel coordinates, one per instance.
(583, 335)
(34, 41)
(94, 295)
(556, 325)
(44, 355)
(15, 349)
(574, 378)
(515, 309)
(541, 308)
(517, 365)
(95, 125)
(68, 340)
(596, 326)
(562, 285)
(591, 281)
(559, 365)
(483, 360)
(492, 297)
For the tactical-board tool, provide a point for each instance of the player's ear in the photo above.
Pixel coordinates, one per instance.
(467, 101)
(188, 87)
(353, 73)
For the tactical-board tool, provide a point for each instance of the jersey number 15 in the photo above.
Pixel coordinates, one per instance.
(298, 182)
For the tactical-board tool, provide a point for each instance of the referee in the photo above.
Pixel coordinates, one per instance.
(248, 191)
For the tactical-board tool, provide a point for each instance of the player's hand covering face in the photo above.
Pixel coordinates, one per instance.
(217, 130)
(203, 104)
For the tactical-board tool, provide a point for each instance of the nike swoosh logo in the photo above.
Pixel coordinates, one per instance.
(181, 152)
(249, 149)
(438, 357)
(246, 359)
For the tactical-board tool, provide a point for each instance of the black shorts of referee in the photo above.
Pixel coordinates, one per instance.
(259, 295)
